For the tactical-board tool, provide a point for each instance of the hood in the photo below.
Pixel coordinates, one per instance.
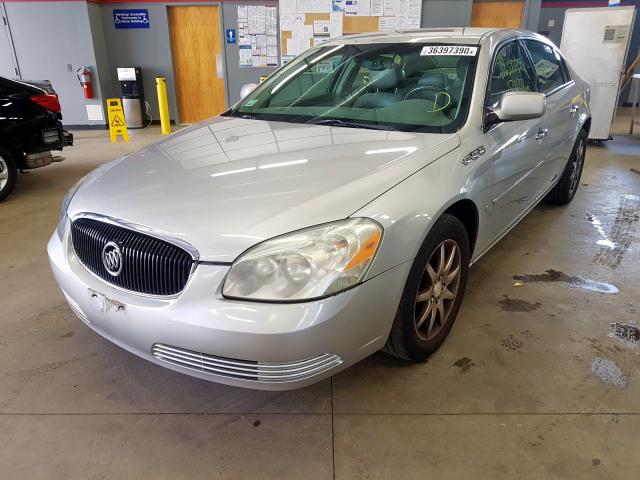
(229, 183)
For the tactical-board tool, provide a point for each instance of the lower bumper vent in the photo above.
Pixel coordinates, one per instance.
(268, 372)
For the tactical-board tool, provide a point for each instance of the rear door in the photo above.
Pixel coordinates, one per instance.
(559, 122)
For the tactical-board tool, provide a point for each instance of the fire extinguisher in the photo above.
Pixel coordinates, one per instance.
(84, 77)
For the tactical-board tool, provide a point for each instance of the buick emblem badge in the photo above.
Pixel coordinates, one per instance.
(112, 258)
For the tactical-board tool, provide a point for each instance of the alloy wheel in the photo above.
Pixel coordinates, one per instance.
(438, 289)
(4, 173)
(577, 165)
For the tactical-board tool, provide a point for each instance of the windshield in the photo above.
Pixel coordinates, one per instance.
(405, 86)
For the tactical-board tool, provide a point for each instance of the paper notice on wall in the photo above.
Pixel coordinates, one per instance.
(271, 21)
(337, 5)
(286, 22)
(256, 14)
(287, 6)
(335, 24)
(364, 8)
(304, 6)
(391, 8)
(297, 19)
(94, 112)
(321, 27)
(377, 8)
(387, 23)
(302, 31)
(615, 34)
(351, 8)
(297, 45)
(320, 6)
(244, 52)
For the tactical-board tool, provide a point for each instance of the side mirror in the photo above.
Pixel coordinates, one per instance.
(514, 106)
(246, 89)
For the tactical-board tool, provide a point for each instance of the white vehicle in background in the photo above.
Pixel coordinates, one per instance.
(333, 212)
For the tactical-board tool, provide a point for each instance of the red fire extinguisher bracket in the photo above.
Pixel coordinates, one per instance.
(84, 77)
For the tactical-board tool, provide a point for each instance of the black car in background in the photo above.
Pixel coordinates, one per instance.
(30, 128)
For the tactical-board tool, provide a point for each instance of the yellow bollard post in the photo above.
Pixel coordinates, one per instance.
(163, 105)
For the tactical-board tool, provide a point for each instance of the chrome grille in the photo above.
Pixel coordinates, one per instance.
(149, 265)
(269, 372)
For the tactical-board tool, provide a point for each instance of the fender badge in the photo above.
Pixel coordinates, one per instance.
(474, 155)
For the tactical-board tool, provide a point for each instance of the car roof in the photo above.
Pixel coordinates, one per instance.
(456, 35)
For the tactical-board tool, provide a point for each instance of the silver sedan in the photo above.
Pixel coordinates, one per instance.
(332, 212)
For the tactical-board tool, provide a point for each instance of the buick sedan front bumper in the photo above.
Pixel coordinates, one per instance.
(269, 346)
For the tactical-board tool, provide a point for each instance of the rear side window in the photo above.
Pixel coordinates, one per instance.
(548, 65)
(509, 73)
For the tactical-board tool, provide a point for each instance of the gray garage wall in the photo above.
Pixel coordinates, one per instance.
(446, 13)
(7, 65)
(51, 38)
(148, 48)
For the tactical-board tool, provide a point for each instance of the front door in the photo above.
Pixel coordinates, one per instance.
(196, 48)
(514, 152)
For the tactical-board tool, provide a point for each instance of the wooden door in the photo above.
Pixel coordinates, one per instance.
(499, 14)
(196, 44)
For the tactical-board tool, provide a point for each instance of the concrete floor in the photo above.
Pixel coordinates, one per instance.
(530, 384)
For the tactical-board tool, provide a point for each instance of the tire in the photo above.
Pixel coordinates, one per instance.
(566, 188)
(410, 339)
(8, 173)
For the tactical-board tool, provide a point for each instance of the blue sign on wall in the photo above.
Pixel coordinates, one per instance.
(231, 35)
(131, 18)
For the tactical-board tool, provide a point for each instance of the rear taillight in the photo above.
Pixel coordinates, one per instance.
(50, 102)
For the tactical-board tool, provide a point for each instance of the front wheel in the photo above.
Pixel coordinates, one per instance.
(8, 173)
(566, 188)
(433, 293)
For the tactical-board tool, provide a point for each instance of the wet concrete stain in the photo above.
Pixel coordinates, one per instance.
(464, 364)
(609, 373)
(517, 305)
(575, 281)
(512, 344)
(627, 332)
(621, 235)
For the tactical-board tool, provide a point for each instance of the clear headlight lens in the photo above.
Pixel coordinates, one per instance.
(65, 205)
(307, 264)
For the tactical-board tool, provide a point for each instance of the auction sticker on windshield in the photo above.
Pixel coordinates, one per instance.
(449, 50)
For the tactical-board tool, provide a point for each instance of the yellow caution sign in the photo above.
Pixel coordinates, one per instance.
(117, 123)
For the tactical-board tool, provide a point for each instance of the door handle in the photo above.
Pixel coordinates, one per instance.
(543, 132)
(574, 109)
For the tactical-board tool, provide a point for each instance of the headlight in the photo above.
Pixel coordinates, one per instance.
(307, 264)
(65, 205)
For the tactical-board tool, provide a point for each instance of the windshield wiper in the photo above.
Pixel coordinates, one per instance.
(335, 122)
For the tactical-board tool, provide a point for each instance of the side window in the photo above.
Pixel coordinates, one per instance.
(510, 73)
(548, 65)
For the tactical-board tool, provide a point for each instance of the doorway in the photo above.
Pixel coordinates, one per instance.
(499, 14)
(196, 46)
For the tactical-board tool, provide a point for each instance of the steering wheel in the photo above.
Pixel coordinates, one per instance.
(411, 93)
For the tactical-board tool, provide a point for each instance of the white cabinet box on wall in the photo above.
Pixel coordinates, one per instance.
(596, 40)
